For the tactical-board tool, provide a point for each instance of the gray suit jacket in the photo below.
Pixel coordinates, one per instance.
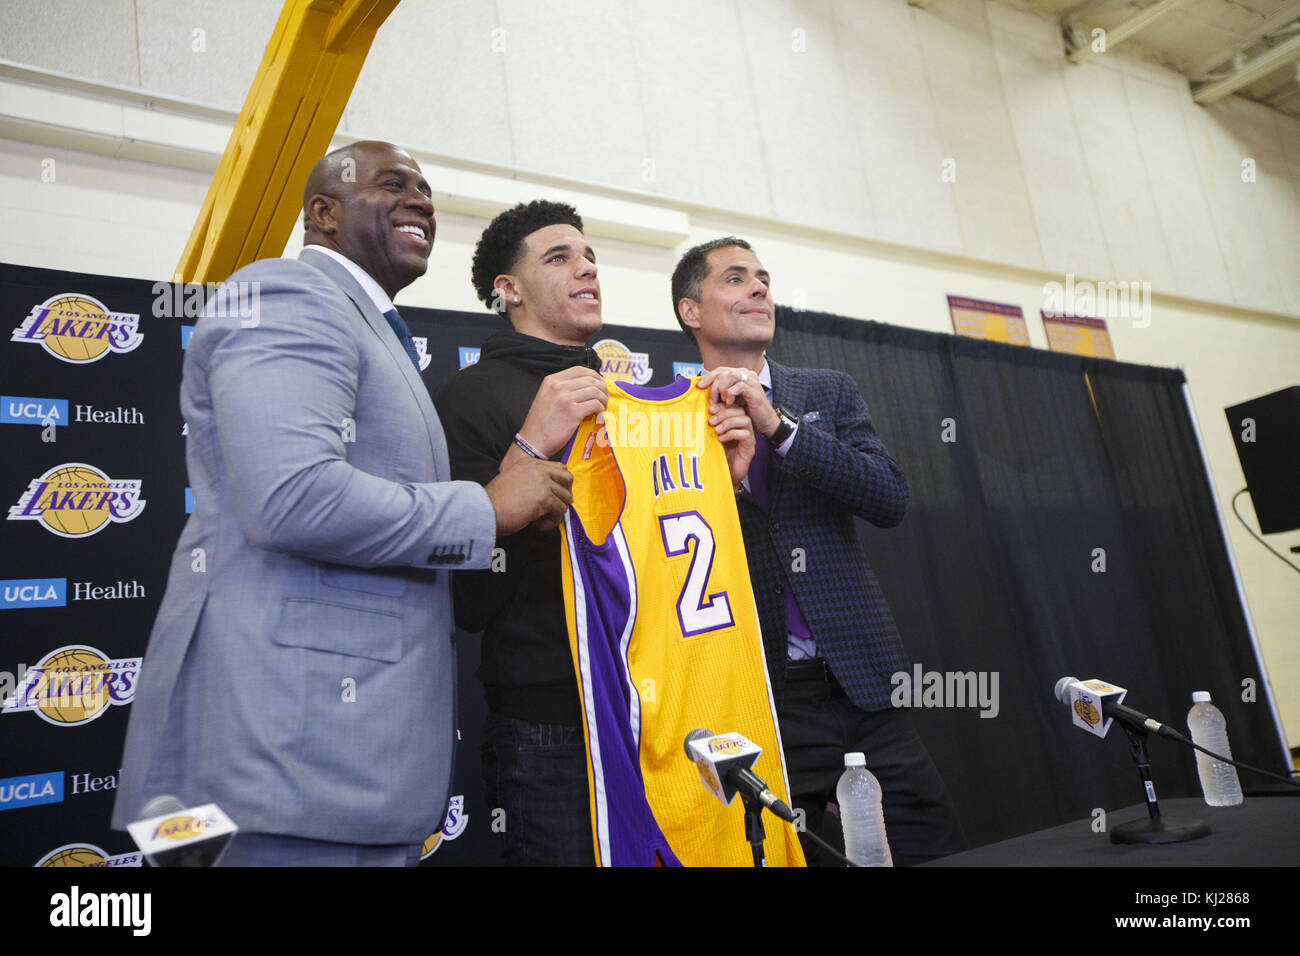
(301, 672)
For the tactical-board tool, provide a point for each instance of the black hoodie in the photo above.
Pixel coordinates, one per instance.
(526, 670)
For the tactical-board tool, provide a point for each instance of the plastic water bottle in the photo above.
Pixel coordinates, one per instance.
(1219, 780)
(858, 794)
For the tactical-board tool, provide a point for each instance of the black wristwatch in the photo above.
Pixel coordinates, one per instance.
(783, 430)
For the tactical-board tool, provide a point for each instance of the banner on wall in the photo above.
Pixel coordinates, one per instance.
(995, 321)
(1077, 335)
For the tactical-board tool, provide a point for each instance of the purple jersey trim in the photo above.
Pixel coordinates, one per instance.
(663, 393)
(604, 614)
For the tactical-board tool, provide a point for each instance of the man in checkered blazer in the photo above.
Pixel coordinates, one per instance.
(830, 639)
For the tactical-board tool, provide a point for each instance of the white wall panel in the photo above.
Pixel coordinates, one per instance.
(894, 112)
(217, 64)
(812, 146)
(573, 97)
(1032, 71)
(703, 131)
(1186, 228)
(975, 130)
(432, 80)
(91, 38)
(1099, 102)
(1219, 148)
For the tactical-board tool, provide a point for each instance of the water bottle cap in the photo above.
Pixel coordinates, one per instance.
(855, 759)
(1200, 697)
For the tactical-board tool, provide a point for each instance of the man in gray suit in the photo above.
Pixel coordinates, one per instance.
(301, 672)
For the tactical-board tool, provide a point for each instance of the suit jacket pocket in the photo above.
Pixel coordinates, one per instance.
(358, 706)
(341, 629)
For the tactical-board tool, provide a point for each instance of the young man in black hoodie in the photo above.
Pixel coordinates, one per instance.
(532, 386)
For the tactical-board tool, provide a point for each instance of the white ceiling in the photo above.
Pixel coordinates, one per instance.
(1250, 47)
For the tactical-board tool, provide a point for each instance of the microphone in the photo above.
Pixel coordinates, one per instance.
(723, 761)
(1089, 700)
(170, 834)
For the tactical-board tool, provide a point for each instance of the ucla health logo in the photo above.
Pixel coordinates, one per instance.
(22, 410)
(76, 500)
(619, 364)
(33, 592)
(689, 369)
(31, 790)
(468, 355)
(79, 329)
(75, 684)
(455, 824)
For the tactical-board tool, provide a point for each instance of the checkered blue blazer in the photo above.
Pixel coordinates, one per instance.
(836, 468)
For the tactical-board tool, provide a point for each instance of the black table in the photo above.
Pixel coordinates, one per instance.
(1262, 831)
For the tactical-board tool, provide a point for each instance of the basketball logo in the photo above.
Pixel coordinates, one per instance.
(74, 854)
(1087, 713)
(87, 854)
(79, 329)
(76, 500)
(75, 684)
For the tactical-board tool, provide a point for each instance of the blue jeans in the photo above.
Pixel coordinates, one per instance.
(537, 774)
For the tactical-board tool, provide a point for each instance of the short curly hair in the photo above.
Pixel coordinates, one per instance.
(692, 269)
(502, 242)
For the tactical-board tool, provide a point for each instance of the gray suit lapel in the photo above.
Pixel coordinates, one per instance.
(380, 327)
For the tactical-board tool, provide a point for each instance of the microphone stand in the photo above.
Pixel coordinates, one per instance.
(754, 827)
(1154, 829)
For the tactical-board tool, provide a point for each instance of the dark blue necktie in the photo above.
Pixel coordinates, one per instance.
(404, 336)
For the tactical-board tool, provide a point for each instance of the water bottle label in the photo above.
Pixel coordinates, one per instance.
(1151, 791)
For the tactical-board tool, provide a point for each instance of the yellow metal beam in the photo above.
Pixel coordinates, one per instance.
(288, 119)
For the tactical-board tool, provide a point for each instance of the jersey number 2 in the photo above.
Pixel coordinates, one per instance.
(695, 613)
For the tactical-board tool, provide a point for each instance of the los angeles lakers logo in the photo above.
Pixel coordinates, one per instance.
(1086, 711)
(79, 329)
(76, 500)
(87, 854)
(180, 828)
(619, 364)
(725, 745)
(74, 685)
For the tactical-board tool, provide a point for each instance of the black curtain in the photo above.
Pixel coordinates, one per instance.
(1061, 523)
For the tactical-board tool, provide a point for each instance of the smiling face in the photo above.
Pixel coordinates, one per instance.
(735, 309)
(554, 281)
(372, 205)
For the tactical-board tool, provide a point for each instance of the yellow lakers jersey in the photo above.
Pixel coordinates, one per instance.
(664, 632)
